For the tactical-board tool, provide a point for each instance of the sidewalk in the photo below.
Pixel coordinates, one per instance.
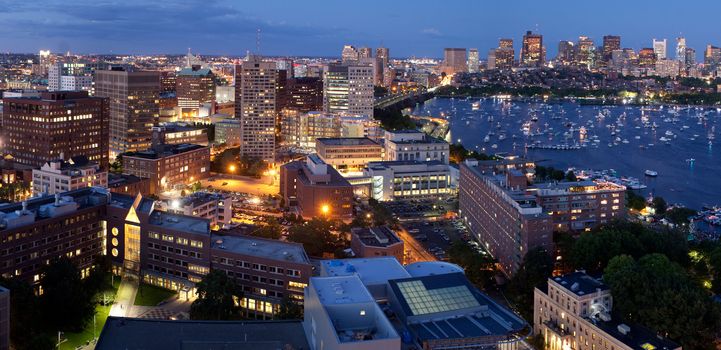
(125, 298)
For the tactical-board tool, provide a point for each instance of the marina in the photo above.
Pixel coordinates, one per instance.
(668, 150)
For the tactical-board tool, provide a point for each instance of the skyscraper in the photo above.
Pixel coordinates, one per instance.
(348, 89)
(659, 48)
(365, 52)
(349, 54)
(532, 50)
(473, 61)
(585, 55)
(647, 58)
(712, 57)
(382, 61)
(70, 77)
(56, 125)
(454, 60)
(491, 59)
(255, 105)
(566, 53)
(504, 55)
(610, 43)
(134, 107)
(681, 50)
(195, 86)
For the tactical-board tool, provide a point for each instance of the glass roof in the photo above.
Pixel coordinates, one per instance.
(426, 301)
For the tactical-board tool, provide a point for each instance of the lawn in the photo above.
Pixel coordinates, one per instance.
(73, 340)
(149, 295)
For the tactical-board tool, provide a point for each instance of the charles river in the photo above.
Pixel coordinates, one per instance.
(678, 143)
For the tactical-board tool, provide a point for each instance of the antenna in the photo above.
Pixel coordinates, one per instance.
(257, 42)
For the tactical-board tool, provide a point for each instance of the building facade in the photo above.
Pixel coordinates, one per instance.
(376, 241)
(62, 176)
(255, 106)
(405, 180)
(532, 51)
(414, 145)
(169, 166)
(195, 86)
(348, 89)
(302, 129)
(348, 154)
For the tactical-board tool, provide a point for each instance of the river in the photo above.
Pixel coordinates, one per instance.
(678, 143)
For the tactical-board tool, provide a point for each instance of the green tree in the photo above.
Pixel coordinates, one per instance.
(216, 294)
(680, 215)
(479, 269)
(316, 237)
(593, 250)
(66, 302)
(27, 328)
(659, 204)
(289, 310)
(272, 230)
(635, 201)
(537, 266)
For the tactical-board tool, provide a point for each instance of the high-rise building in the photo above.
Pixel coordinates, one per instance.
(585, 52)
(302, 95)
(491, 59)
(168, 81)
(195, 87)
(381, 65)
(349, 54)
(690, 58)
(647, 58)
(659, 47)
(70, 77)
(712, 57)
(134, 107)
(566, 53)
(681, 50)
(365, 52)
(473, 61)
(56, 125)
(383, 54)
(348, 89)
(610, 44)
(255, 105)
(532, 52)
(504, 55)
(454, 60)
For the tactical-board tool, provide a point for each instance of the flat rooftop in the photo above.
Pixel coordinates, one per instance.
(380, 236)
(341, 290)
(346, 141)
(638, 338)
(371, 271)
(137, 334)
(199, 198)
(584, 284)
(164, 151)
(182, 223)
(262, 248)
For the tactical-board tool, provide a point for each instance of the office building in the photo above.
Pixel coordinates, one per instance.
(348, 155)
(255, 106)
(414, 145)
(227, 132)
(70, 77)
(532, 51)
(169, 166)
(566, 53)
(667, 68)
(128, 184)
(408, 179)
(59, 176)
(712, 57)
(140, 333)
(302, 95)
(134, 107)
(361, 126)
(681, 50)
(365, 52)
(503, 218)
(646, 58)
(454, 61)
(586, 52)
(178, 133)
(348, 89)
(610, 43)
(491, 59)
(316, 189)
(690, 58)
(659, 48)
(195, 87)
(56, 125)
(473, 61)
(382, 64)
(225, 94)
(302, 129)
(574, 311)
(349, 54)
(168, 81)
(370, 242)
(216, 207)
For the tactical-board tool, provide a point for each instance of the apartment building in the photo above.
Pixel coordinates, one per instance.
(59, 176)
(169, 166)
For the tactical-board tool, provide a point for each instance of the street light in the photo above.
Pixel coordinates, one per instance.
(231, 168)
(325, 209)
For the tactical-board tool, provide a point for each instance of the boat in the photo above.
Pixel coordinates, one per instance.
(475, 106)
(650, 173)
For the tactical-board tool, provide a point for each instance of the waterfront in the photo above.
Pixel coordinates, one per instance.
(678, 143)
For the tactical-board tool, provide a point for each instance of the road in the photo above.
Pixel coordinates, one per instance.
(414, 250)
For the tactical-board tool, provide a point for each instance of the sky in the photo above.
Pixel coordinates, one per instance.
(411, 28)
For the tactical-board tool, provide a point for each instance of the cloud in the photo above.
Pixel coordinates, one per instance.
(431, 32)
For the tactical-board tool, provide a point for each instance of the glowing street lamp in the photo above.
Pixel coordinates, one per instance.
(325, 209)
(231, 168)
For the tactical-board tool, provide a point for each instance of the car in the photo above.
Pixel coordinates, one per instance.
(224, 184)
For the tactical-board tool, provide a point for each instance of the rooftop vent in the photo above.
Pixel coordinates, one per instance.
(624, 329)
(574, 286)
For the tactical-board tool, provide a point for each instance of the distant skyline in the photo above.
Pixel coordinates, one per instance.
(320, 28)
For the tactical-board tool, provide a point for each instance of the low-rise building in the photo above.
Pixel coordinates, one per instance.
(128, 184)
(376, 241)
(414, 145)
(175, 134)
(302, 129)
(574, 311)
(315, 188)
(169, 166)
(61, 176)
(216, 207)
(402, 180)
(349, 155)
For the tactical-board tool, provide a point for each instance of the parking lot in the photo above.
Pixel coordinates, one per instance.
(259, 187)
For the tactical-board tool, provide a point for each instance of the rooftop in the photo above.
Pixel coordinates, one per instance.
(162, 151)
(341, 290)
(380, 236)
(182, 223)
(194, 72)
(585, 186)
(635, 336)
(136, 333)
(117, 180)
(428, 268)
(580, 283)
(261, 247)
(371, 271)
(346, 141)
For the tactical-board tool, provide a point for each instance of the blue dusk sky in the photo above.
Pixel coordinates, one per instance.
(320, 28)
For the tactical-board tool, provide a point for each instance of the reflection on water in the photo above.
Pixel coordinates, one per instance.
(677, 143)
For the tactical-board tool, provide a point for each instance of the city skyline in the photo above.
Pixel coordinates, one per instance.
(222, 27)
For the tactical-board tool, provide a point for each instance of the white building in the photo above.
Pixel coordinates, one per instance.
(61, 176)
(224, 94)
(361, 126)
(214, 206)
(399, 180)
(70, 77)
(349, 89)
(414, 145)
(668, 68)
(659, 48)
(473, 61)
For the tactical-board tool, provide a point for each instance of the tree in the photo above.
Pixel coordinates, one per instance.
(27, 329)
(537, 266)
(479, 269)
(659, 294)
(635, 201)
(289, 310)
(67, 305)
(680, 215)
(659, 204)
(216, 298)
(271, 230)
(571, 176)
(315, 236)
